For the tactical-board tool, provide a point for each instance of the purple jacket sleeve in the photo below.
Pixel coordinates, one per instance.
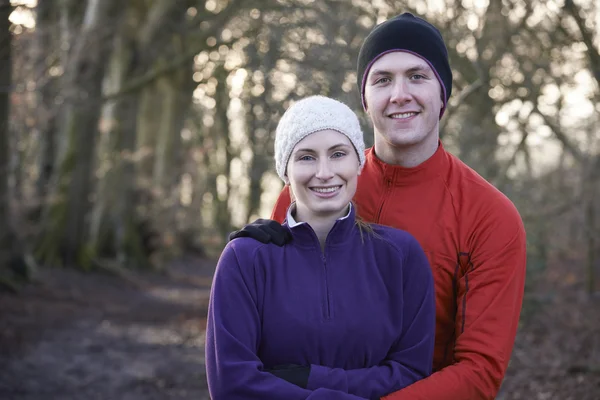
(410, 359)
(233, 369)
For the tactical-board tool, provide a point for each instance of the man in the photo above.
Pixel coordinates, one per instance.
(472, 234)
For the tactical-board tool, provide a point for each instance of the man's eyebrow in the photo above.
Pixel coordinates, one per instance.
(380, 72)
(419, 67)
(416, 68)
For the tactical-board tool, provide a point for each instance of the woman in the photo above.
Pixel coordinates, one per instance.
(321, 317)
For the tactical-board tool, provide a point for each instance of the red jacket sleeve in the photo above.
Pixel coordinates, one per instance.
(490, 294)
(281, 205)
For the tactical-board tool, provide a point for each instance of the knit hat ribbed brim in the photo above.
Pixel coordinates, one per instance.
(310, 115)
(414, 35)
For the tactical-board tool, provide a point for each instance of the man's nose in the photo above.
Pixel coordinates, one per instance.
(400, 92)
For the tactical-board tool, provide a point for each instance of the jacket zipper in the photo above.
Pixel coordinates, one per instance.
(388, 183)
(327, 301)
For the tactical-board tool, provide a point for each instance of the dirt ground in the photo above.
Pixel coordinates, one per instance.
(557, 351)
(94, 336)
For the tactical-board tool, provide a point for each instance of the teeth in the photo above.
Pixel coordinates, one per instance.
(403, 115)
(326, 190)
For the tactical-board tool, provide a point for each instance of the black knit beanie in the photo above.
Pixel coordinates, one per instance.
(414, 35)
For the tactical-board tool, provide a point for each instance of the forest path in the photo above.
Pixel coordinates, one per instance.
(73, 336)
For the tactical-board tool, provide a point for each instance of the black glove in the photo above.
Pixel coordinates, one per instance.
(296, 374)
(265, 231)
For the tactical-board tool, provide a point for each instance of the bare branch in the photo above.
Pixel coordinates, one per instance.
(457, 101)
(217, 23)
(155, 73)
(555, 210)
(587, 38)
(503, 175)
(560, 135)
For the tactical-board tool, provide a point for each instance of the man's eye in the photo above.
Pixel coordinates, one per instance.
(382, 80)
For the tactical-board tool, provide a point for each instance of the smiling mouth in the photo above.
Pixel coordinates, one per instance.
(402, 115)
(329, 189)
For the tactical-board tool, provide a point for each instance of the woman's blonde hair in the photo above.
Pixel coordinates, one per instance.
(363, 226)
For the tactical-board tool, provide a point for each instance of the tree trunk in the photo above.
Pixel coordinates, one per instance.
(151, 40)
(69, 18)
(257, 167)
(147, 120)
(46, 108)
(220, 160)
(114, 221)
(5, 84)
(591, 182)
(151, 121)
(12, 261)
(66, 217)
(590, 233)
(167, 133)
(259, 123)
(163, 108)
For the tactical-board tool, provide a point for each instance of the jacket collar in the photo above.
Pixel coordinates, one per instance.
(397, 175)
(304, 235)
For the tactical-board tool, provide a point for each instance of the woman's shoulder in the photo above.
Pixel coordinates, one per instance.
(399, 239)
(388, 232)
(246, 248)
(242, 257)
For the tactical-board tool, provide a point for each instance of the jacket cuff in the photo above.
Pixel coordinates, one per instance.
(320, 377)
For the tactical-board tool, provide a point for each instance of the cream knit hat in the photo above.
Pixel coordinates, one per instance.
(310, 115)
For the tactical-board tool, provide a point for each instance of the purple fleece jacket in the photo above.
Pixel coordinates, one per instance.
(361, 314)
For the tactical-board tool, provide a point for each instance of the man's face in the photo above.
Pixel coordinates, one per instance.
(404, 101)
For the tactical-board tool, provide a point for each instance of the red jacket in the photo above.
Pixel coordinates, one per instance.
(475, 242)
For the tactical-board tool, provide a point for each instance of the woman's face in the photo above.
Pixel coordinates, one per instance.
(323, 171)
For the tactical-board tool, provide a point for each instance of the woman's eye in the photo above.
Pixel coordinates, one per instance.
(305, 158)
(338, 154)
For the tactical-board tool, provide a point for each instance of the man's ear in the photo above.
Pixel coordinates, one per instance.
(442, 108)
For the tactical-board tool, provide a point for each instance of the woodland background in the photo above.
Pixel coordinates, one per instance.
(134, 136)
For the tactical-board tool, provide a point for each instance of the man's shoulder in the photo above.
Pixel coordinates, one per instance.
(464, 177)
(475, 195)
(486, 209)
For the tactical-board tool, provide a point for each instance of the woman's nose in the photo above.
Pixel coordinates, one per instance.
(324, 170)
